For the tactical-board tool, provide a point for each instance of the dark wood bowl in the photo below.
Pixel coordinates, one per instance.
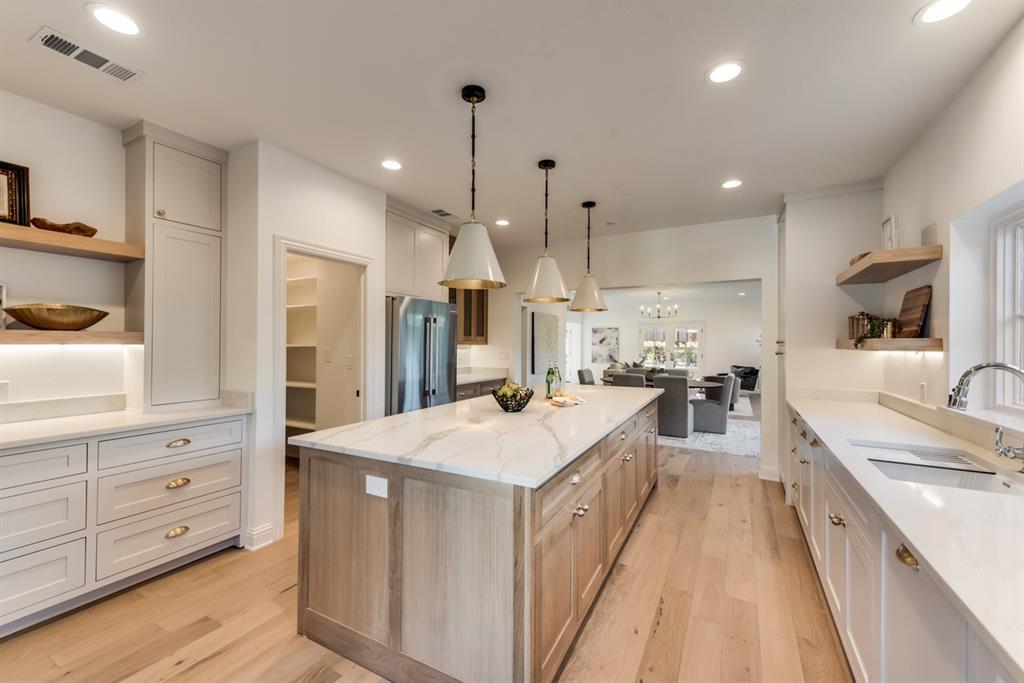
(55, 316)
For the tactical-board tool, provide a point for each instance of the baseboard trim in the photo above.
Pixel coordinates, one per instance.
(258, 537)
(768, 474)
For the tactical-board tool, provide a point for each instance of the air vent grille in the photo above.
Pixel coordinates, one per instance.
(61, 44)
(441, 212)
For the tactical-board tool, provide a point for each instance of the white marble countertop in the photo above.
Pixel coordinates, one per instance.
(475, 438)
(28, 433)
(473, 375)
(973, 541)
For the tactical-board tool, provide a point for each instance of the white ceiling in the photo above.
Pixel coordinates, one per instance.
(613, 91)
(678, 294)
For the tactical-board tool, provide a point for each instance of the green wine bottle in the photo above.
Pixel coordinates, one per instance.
(549, 379)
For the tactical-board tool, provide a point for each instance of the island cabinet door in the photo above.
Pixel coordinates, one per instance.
(648, 469)
(630, 488)
(613, 512)
(588, 548)
(555, 605)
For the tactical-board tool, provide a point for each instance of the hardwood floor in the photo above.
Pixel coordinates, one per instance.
(715, 584)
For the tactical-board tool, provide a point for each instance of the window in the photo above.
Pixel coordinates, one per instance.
(684, 351)
(652, 346)
(1010, 308)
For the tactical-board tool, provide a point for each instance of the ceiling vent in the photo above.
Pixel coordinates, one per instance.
(441, 213)
(62, 45)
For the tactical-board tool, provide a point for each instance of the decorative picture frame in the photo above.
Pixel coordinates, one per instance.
(14, 195)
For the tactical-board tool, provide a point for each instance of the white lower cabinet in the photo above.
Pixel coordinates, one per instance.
(42, 575)
(982, 665)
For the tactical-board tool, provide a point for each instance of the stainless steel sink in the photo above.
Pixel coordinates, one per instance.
(935, 465)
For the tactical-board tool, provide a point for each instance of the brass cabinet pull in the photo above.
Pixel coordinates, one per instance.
(161, 213)
(803, 461)
(803, 433)
(793, 450)
(176, 531)
(649, 413)
(627, 456)
(793, 486)
(651, 430)
(793, 421)
(580, 510)
(815, 443)
(837, 520)
(575, 478)
(622, 436)
(178, 443)
(907, 557)
(178, 483)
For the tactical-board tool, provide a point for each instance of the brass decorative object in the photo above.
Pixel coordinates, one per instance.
(55, 316)
(73, 228)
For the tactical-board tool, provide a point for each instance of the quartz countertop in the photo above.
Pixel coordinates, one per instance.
(476, 438)
(30, 432)
(973, 541)
(474, 375)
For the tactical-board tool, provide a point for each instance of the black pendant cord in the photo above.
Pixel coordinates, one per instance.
(588, 240)
(472, 164)
(545, 211)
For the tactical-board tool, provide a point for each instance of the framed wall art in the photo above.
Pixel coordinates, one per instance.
(13, 194)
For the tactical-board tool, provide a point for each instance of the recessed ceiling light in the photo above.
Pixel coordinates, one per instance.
(742, 294)
(939, 10)
(502, 222)
(725, 72)
(391, 164)
(113, 19)
(732, 184)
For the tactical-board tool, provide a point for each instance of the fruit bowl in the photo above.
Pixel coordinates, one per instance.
(515, 402)
(55, 316)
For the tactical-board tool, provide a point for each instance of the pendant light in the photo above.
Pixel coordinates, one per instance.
(547, 286)
(588, 296)
(472, 263)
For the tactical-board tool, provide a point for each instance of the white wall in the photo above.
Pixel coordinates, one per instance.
(76, 172)
(731, 326)
(824, 230)
(276, 194)
(741, 249)
(973, 151)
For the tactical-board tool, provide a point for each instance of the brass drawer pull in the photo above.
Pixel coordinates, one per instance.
(161, 213)
(651, 430)
(793, 421)
(178, 483)
(837, 520)
(803, 461)
(627, 456)
(575, 478)
(178, 443)
(581, 510)
(176, 531)
(793, 450)
(793, 486)
(907, 557)
(622, 436)
(803, 433)
(815, 443)
(649, 413)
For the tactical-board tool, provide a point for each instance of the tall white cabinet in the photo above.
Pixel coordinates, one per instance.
(175, 206)
(416, 258)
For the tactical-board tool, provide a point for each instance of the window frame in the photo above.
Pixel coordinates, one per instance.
(1008, 309)
(670, 328)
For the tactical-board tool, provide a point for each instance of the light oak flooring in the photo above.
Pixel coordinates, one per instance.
(715, 584)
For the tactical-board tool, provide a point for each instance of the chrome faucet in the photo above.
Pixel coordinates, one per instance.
(958, 397)
(1011, 452)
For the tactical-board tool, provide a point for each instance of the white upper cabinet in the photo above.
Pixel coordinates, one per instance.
(186, 188)
(185, 338)
(417, 256)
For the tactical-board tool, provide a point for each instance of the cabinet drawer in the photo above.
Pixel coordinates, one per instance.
(467, 391)
(620, 438)
(129, 493)
(42, 465)
(648, 415)
(550, 498)
(163, 444)
(37, 516)
(490, 385)
(129, 546)
(41, 575)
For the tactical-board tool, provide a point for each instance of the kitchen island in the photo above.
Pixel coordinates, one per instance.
(462, 543)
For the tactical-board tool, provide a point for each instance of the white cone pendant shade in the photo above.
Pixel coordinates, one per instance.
(547, 285)
(472, 263)
(588, 296)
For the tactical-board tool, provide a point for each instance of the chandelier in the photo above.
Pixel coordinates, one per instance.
(657, 313)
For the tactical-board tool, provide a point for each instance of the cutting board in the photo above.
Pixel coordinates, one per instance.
(914, 312)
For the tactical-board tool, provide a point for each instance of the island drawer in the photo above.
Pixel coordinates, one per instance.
(38, 576)
(40, 515)
(550, 498)
(129, 546)
(130, 493)
(623, 434)
(165, 443)
(41, 465)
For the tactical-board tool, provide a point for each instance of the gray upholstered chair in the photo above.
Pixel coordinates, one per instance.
(714, 393)
(586, 376)
(678, 372)
(637, 371)
(711, 415)
(628, 379)
(674, 415)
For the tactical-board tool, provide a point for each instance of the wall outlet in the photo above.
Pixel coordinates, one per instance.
(377, 486)
(5, 390)
(328, 354)
(348, 361)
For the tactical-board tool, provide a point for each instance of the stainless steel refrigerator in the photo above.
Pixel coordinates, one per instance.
(420, 354)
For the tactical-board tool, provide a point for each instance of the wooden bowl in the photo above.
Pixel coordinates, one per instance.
(55, 316)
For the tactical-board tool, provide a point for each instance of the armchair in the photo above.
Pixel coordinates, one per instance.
(710, 415)
(674, 415)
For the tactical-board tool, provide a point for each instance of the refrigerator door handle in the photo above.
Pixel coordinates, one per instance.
(435, 362)
(427, 357)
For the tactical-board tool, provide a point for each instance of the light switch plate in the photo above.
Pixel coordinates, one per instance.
(377, 486)
(5, 390)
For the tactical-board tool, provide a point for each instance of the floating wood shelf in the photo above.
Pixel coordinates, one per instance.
(897, 344)
(299, 424)
(300, 385)
(882, 266)
(64, 337)
(50, 242)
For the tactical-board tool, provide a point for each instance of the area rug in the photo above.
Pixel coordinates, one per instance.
(743, 438)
